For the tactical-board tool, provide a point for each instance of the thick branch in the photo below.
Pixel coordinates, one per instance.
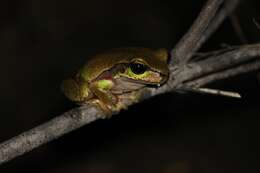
(44, 133)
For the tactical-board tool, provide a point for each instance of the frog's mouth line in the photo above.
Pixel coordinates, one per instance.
(152, 84)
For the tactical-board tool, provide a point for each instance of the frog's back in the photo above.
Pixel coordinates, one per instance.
(107, 60)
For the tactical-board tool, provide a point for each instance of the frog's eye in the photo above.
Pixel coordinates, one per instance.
(138, 68)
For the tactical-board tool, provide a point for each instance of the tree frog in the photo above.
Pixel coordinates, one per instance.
(110, 75)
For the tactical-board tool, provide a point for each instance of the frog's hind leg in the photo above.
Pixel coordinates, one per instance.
(75, 90)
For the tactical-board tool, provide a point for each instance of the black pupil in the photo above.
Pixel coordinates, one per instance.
(138, 68)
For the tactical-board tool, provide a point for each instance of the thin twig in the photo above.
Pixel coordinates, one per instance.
(185, 48)
(228, 8)
(238, 28)
(236, 56)
(214, 92)
(256, 24)
(245, 68)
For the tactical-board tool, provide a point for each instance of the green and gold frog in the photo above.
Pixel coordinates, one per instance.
(110, 75)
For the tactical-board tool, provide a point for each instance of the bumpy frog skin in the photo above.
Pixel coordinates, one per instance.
(113, 74)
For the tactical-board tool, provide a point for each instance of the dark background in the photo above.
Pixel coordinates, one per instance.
(44, 41)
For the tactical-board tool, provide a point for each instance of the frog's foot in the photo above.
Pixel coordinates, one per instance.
(129, 98)
(105, 98)
(120, 106)
(125, 100)
(106, 109)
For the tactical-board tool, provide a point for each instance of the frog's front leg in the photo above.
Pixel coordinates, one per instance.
(106, 99)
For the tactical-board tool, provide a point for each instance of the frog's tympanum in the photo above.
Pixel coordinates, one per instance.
(109, 76)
